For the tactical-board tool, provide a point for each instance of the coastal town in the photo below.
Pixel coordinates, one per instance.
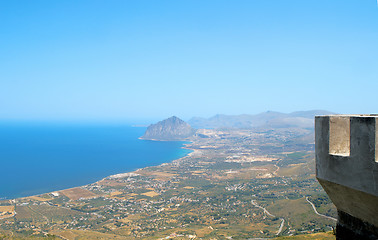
(235, 184)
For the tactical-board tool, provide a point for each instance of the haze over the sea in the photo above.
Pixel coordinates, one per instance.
(39, 158)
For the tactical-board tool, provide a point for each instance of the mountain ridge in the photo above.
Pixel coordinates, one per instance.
(269, 119)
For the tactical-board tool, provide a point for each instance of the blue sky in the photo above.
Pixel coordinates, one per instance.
(121, 60)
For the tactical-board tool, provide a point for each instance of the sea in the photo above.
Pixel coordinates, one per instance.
(41, 158)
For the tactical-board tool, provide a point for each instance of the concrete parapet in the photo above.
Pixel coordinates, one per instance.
(347, 169)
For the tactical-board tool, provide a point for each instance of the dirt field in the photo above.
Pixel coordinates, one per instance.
(203, 231)
(115, 193)
(157, 175)
(6, 209)
(77, 193)
(110, 183)
(150, 194)
(40, 199)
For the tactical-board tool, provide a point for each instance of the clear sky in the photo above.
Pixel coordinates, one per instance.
(120, 60)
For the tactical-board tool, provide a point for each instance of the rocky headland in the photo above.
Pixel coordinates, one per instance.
(171, 129)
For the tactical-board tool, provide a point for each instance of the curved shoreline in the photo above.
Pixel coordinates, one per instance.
(110, 176)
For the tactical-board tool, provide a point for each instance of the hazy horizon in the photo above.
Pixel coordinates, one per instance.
(114, 61)
(138, 122)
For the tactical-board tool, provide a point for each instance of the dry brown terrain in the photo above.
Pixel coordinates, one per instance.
(78, 193)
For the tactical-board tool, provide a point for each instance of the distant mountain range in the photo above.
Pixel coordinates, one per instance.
(300, 119)
(171, 129)
(175, 129)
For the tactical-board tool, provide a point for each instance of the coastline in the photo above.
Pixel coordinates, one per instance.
(140, 202)
(164, 140)
(64, 157)
(121, 175)
(134, 173)
(113, 176)
(52, 194)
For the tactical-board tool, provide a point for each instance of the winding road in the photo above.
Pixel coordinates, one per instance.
(269, 214)
(317, 213)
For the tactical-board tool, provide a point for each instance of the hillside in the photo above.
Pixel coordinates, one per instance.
(171, 129)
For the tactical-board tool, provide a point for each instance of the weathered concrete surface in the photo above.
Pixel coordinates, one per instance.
(356, 203)
(347, 168)
(349, 227)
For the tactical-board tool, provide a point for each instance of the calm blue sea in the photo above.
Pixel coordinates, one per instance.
(35, 159)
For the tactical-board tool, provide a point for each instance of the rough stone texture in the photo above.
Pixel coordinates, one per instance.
(170, 129)
(347, 169)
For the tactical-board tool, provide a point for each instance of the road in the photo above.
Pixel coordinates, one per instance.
(317, 213)
(269, 214)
